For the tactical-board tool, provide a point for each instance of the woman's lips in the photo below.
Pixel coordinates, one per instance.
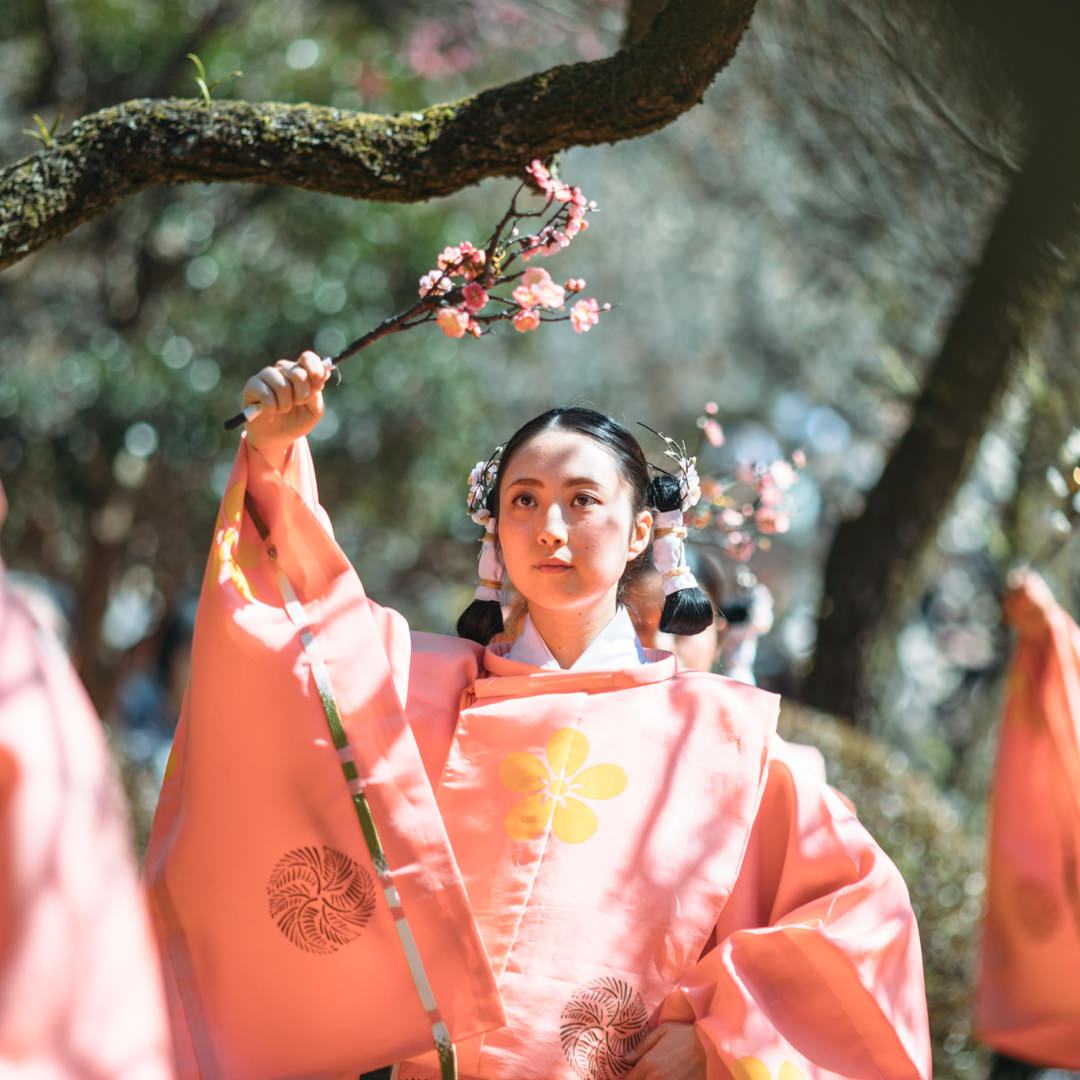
(552, 566)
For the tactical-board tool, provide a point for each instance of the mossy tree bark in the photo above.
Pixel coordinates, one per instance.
(121, 150)
(1033, 252)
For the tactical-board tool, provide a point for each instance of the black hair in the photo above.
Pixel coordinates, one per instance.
(688, 611)
(482, 619)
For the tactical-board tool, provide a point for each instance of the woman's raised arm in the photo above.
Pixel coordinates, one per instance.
(290, 396)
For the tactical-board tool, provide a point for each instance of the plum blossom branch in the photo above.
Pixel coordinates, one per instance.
(466, 276)
(459, 294)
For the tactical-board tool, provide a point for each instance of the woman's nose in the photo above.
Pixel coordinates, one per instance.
(553, 528)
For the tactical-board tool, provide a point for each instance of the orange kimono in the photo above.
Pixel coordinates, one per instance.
(605, 851)
(1028, 996)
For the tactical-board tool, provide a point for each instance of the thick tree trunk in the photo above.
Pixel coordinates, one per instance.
(1033, 251)
(119, 151)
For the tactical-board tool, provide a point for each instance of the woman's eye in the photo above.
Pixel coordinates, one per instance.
(582, 498)
(523, 500)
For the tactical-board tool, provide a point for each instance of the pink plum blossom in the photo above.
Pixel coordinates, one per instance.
(449, 258)
(474, 296)
(453, 322)
(472, 259)
(713, 432)
(537, 170)
(740, 546)
(435, 282)
(548, 241)
(538, 289)
(771, 520)
(575, 284)
(584, 314)
(526, 319)
(547, 292)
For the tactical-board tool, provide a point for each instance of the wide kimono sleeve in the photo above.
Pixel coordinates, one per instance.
(816, 969)
(311, 915)
(1027, 999)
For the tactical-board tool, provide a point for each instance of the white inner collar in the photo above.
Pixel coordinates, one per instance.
(614, 648)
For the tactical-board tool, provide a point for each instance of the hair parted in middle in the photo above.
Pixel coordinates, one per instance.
(683, 614)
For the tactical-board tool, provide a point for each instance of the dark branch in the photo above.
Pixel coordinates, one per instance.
(124, 149)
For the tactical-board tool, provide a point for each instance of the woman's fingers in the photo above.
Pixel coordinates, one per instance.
(280, 386)
(288, 383)
(256, 392)
(315, 368)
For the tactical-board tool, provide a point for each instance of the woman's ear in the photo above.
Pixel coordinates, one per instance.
(640, 535)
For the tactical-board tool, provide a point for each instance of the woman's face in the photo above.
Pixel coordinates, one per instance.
(566, 524)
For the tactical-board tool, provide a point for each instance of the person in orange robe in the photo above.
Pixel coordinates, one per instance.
(1028, 993)
(657, 892)
(80, 988)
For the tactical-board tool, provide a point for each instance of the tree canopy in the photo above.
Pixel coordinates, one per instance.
(120, 150)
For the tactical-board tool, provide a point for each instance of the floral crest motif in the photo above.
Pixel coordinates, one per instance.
(481, 483)
(320, 898)
(599, 1025)
(550, 789)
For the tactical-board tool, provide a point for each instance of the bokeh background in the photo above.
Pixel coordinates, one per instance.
(792, 249)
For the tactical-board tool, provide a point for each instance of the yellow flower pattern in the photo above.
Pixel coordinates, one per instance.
(230, 553)
(550, 789)
(751, 1068)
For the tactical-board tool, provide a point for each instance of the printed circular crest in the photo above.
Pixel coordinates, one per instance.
(599, 1024)
(320, 898)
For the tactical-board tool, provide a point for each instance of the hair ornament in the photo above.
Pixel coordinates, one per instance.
(481, 484)
(491, 575)
(687, 610)
(686, 473)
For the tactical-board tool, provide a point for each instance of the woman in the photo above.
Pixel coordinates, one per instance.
(657, 893)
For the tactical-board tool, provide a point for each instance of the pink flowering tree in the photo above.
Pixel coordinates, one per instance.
(742, 511)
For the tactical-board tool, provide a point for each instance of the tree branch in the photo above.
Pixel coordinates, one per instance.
(126, 148)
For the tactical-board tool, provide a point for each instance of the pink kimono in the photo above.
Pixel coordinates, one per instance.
(1028, 999)
(80, 989)
(579, 855)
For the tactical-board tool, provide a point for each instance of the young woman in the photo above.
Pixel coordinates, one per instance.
(657, 893)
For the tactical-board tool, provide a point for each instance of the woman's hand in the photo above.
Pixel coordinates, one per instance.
(290, 395)
(672, 1052)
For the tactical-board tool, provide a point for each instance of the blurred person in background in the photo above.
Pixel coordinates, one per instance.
(1028, 992)
(80, 990)
(149, 699)
(729, 644)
